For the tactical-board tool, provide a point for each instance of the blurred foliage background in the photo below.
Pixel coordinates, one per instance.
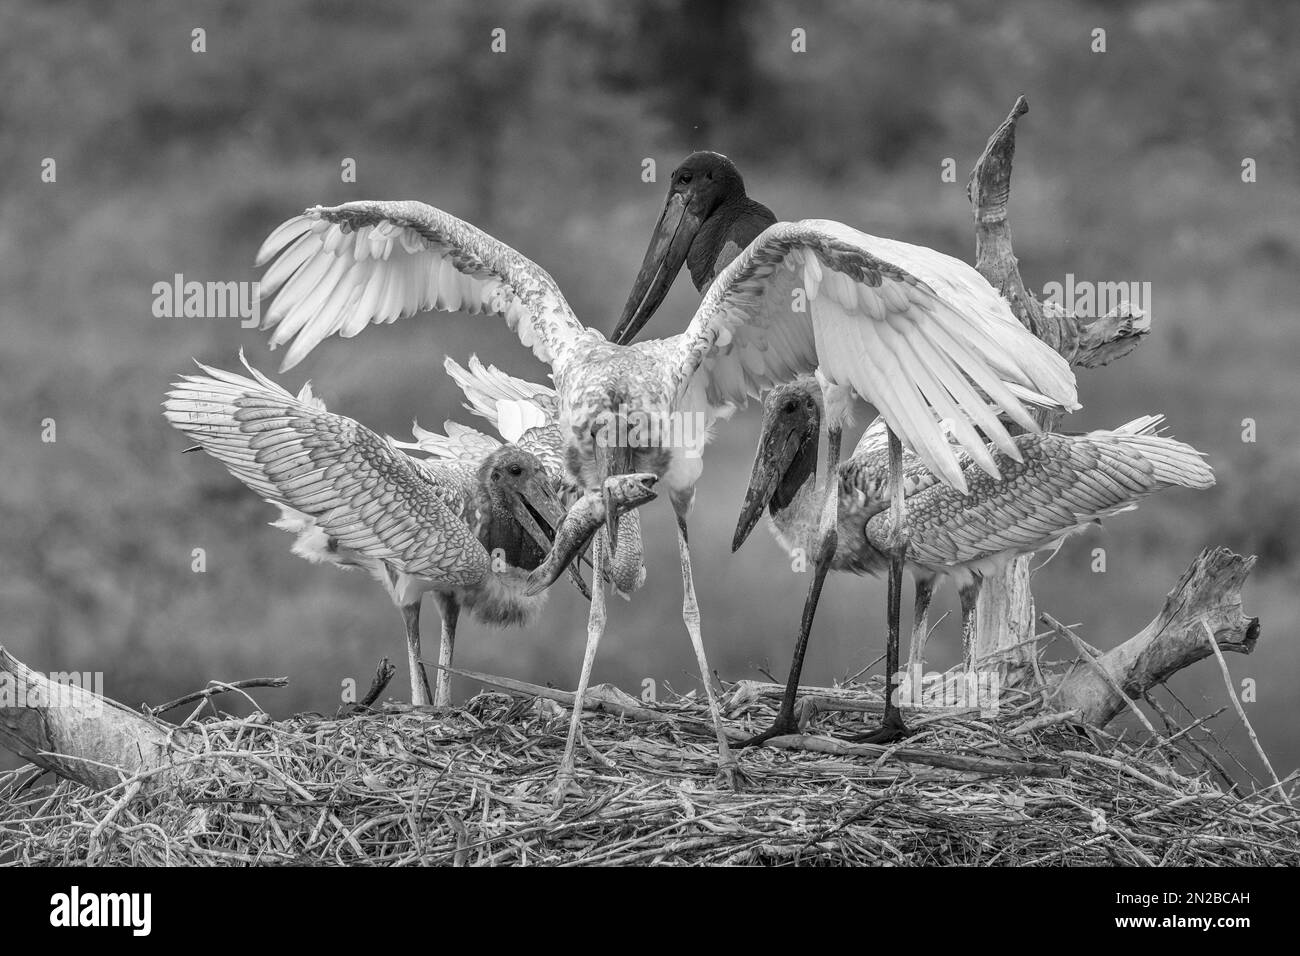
(171, 161)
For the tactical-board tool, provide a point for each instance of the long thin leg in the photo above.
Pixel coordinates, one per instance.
(969, 599)
(827, 542)
(419, 680)
(920, 629)
(595, 630)
(449, 610)
(691, 618)
(892, 727)
(785, 722)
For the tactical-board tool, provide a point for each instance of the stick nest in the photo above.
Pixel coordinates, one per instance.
(470, 787)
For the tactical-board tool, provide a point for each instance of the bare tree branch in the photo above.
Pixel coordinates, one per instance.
(1207, 595)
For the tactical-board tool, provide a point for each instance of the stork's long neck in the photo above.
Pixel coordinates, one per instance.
(501, 599)
(724, 235)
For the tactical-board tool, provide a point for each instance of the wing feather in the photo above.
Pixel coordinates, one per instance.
(459, 443)
(913, 332)
(356, 485)
(338, 269)
(523, 412)
(1063, 483)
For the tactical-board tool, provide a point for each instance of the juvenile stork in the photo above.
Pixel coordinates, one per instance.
(355, 500)
(1060, 484)
(648, 407)
(869, 335)
(528, 414)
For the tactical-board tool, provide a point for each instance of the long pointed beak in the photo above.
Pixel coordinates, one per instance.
(669, 244)
(541, 512)
(777, 449)
(625, 492)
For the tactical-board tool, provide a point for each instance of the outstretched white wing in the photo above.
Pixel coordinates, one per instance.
(458, 443)
(338, 269)
(361, 491)
(486, 386)
(522, 412)
(1062, 483)
(915, 333)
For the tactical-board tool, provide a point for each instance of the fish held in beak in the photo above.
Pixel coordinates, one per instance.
(669, 244)
(624, 492)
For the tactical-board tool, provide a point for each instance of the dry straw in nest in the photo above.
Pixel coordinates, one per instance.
(469, 788)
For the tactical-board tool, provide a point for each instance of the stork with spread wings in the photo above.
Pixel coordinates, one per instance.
(802, 296)
(470, 525)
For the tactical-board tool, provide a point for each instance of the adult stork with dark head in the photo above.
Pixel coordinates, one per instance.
(902, 326)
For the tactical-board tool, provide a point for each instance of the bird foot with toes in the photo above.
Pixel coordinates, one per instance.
(781, 727)
(731, 777)
(891, 730)
(562, 788)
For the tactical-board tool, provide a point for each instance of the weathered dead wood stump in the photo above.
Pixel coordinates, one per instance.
(78, 734)
(1005, 613)
(1207, 595)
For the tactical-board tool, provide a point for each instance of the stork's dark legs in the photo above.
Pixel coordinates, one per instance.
(785, 722)
(970, 596)
(892, 727)
(828, 540)
(449, 610)
(419, 680)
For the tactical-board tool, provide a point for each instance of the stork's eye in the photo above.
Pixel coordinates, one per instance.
(516, 471)
(789, 407)
(685, 177)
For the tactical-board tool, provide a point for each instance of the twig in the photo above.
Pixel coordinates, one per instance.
(383, 674)
(1041, 721)
(97, 833)
(213, 689)
(1241, 711)
(594, 701)
(1120, 766)
(949, 761)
